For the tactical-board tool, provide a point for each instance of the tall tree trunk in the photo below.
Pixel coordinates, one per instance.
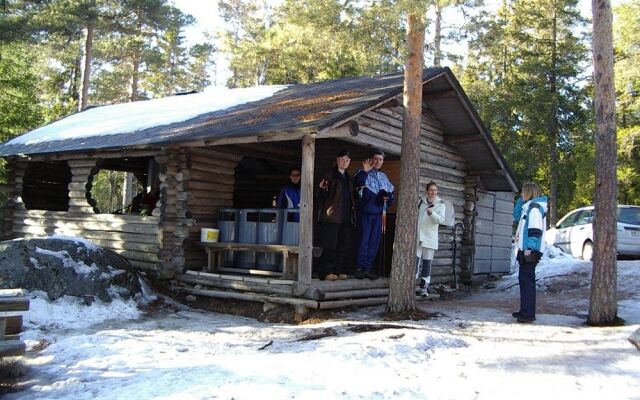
(603, 308)
(403, 270)
(437, 37)
(135, 78)
(505, 51)
(137, 56)
(553, 121)
(86, 66)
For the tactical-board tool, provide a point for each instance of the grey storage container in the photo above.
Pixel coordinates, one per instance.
(228, 221)
(247, 233)
(269, 232)
(290, 227)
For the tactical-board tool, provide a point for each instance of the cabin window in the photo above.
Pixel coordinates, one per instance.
(45, 186)
(124, 186)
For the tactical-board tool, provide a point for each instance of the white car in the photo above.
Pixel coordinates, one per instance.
(574, 232)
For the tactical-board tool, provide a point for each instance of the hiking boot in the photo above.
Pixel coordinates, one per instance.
(342, 277)
(360, 274)
(515, 314)
(525, 320)
(424, 292)
(330, 277)
(370, 274)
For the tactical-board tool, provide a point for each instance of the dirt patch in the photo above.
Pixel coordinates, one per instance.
(319, 334)
(12, 370)
(376, 327)
(416, 315)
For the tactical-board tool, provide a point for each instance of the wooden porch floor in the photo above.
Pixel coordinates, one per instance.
(318, 295)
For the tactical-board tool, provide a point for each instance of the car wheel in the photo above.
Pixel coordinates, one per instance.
(587, 251)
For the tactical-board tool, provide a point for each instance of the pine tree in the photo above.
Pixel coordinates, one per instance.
(168, 64)
(305, 42)
(627, 74)
(525, 75)
(447, 31)
(402, 283)
(19, 108)
(201, 59)
(603, 307)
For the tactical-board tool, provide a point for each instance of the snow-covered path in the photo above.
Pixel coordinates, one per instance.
(473, 350)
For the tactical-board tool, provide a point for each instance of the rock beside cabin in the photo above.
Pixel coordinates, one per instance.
(71, 267)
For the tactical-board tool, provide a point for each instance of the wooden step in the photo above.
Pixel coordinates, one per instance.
(14, 303)
(11, 348)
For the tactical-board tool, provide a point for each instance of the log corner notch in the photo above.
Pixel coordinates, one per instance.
(349, 129)
(173, 211)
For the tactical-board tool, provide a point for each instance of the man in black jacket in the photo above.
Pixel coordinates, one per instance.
(336, 215)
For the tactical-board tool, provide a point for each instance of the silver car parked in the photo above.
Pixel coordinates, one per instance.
(574, 232)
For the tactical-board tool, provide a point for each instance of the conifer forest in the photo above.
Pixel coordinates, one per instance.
(525, 64)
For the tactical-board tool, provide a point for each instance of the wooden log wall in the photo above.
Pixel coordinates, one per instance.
(134, 237)
(472, 185)
(494, 228)
(209, 188)
(263, 172)
(12, 196)
(439, 162)
(257, 190)
(45, 186)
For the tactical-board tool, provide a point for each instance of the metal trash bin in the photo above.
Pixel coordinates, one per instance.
(290, 227)
(247, 233)
(269, 232)
(228, 220)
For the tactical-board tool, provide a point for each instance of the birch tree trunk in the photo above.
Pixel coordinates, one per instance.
(403, 269)
(603, 308)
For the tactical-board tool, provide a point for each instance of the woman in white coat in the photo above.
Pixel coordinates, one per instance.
(431, 213)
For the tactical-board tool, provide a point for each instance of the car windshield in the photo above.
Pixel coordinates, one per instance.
(629, 215)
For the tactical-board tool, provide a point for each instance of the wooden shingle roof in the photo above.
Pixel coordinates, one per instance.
(309, 109)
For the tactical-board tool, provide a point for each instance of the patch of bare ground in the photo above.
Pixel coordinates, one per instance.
(12, 370)
(415, 315)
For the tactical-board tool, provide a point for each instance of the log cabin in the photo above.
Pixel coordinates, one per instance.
(207, 152)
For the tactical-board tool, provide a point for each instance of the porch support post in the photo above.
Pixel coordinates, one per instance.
(306, 210)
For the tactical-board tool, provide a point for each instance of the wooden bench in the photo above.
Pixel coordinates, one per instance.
(12, 304)
(216, 250)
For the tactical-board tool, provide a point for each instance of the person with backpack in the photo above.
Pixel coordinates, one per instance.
(529, 212)
(431, 213)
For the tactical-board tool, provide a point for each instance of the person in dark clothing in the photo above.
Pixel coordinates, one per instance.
(375, 193)
(289, 196)
(335, 216)
(144, 202)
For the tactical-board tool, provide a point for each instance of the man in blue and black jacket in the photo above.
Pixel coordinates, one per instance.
(375, 193)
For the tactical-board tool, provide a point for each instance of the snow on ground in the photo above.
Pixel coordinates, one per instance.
(472, 350)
